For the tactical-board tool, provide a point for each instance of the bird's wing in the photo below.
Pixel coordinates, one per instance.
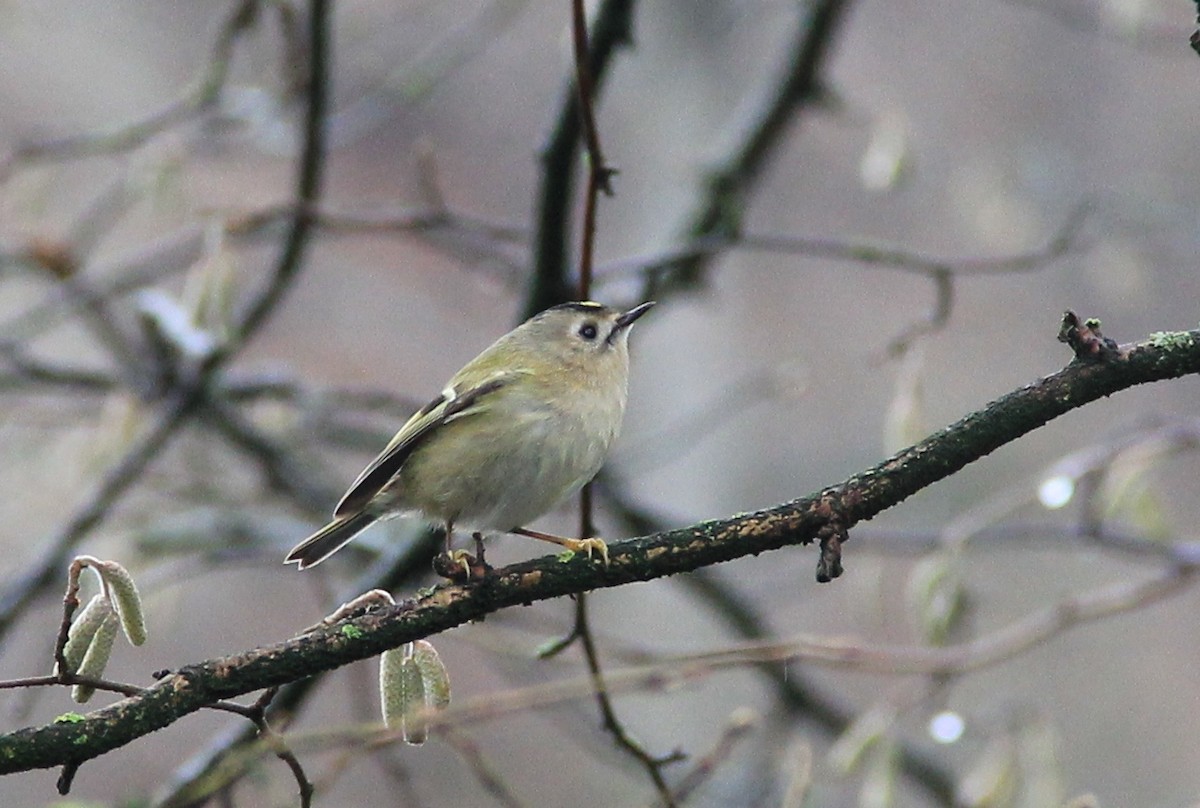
(451, 404)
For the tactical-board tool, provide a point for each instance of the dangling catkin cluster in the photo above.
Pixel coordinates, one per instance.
(91, 635)
(412, 683)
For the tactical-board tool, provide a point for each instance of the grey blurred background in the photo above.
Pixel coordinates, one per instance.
(962, 130)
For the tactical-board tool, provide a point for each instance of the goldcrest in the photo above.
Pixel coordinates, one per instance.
(524, 425)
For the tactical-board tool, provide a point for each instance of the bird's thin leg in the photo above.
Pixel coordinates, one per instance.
(585, 546)
(449, 537)
(478, 537)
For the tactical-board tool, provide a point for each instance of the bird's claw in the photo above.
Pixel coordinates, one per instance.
(586, 546)
(460, 566)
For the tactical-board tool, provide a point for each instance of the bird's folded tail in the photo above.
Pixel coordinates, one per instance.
(328, 540)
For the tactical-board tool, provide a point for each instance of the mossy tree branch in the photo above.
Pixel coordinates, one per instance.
(1100, 369)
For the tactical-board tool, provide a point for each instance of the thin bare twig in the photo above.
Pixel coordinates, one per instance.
(485, 773)
(599, 179)
(274, 741)
(942, 272)
(736, 729)
(982, 652)
(798, 695)
(133, 270)
(377, 220)
(59, 680)
(467, 239)
(653, 765)
(27, 369)
(599, 172)
(61, 264)
(611, 28)
(202, 95)
(987, 650)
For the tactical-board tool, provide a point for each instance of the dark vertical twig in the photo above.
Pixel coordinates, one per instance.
(257, 713)
(611, 27)
(612, 724)
(599, 172)
(599, 179)
(1194, 39)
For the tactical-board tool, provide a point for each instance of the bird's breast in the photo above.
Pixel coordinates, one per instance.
(511, 463)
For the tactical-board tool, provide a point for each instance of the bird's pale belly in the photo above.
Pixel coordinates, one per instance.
(478, 487)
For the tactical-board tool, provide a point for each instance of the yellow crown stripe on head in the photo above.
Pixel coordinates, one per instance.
(581, 305)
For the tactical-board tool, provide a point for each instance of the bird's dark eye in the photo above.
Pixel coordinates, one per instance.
(588, 331)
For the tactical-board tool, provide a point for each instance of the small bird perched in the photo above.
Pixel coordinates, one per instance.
(522, 426)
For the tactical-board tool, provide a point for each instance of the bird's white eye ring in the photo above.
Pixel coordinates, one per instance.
(588, 331)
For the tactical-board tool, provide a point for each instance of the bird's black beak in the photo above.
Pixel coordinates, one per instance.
(627, 319)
